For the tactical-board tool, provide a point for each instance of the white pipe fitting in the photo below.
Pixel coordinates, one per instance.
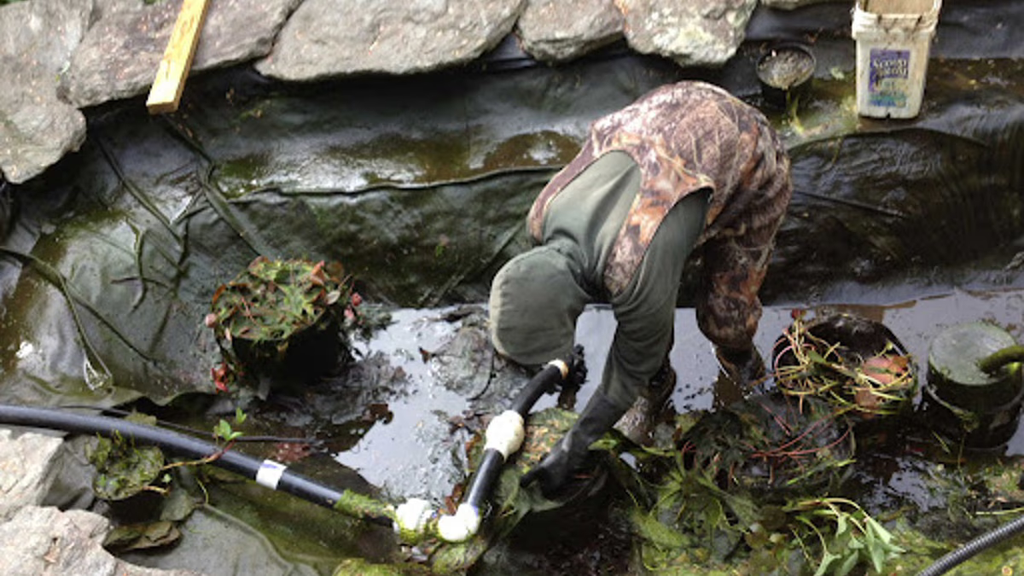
(461, 526)
(412, 517)
(505, 433)
(561, 365)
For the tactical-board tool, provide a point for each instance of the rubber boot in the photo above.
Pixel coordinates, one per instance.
(639, 421)
(556, 471)
(740, 371)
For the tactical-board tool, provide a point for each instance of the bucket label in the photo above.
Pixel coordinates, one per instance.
(889, 77)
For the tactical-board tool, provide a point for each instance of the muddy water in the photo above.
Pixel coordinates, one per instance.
(414, 454)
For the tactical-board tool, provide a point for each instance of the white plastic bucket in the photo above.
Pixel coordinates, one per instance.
(893, 40)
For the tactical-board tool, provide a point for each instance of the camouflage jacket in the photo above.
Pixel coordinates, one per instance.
(686, 137)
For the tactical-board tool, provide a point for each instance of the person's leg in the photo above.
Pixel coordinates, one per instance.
(739, 372)
(639, 422)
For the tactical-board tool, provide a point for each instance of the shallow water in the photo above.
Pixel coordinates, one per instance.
(403, 455)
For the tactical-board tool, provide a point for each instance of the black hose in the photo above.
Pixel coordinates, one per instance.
(546, 380)
(280, 478)
(543, 381)
(983, 542)
(187, 430)
(486, 474)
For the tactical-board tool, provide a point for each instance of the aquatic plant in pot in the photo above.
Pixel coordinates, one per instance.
(280, 322)
(855, 364)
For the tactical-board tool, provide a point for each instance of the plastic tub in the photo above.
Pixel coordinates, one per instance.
(893, 42)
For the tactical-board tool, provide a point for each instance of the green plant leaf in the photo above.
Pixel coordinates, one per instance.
(827, 558)
(849, 563)
(877, 557)
(224, 430)
(841, 526)
(878, 530)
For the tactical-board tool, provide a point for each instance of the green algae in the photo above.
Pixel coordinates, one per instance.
(399, 159)
(352, 566)
(123, 469)
(363, 507)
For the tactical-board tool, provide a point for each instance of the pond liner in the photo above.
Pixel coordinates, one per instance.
(267, 473)
(502, 441)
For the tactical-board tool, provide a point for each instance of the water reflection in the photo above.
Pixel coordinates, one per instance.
(416, 454)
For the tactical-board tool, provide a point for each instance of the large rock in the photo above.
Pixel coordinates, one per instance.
(42, 470)
(791, 4)
(39, 540)
(690, 32)
(27, 467)
(120, 54)
(560, 30)
(326, 38)
(36, 128)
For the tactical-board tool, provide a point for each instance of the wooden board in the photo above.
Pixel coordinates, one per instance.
(174, 67)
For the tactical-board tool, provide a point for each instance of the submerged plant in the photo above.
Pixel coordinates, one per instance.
(739, 491)
(770, 444)
(124, 469)
(847, 536)
(696, 527)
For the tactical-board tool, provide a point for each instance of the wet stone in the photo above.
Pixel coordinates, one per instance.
(121, 52)
(560, 30)
(38, 127)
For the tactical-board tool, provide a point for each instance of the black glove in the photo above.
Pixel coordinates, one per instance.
(568, 457)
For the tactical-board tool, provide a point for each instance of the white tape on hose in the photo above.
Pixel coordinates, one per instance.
(505, 433)
(562, 367)
(270, 473)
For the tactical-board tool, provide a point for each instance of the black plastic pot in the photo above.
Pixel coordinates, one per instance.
(858, 338)
(785, 71)
(306, 356)
(963, 403)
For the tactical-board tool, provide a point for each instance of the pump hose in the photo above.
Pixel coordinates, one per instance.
(504, 436)
(493, 459)
(267, 473)
(983, 542)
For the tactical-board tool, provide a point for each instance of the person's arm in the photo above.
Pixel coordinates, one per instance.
(645, 320)
(645, 310)
(739, 244)
(728, 306)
